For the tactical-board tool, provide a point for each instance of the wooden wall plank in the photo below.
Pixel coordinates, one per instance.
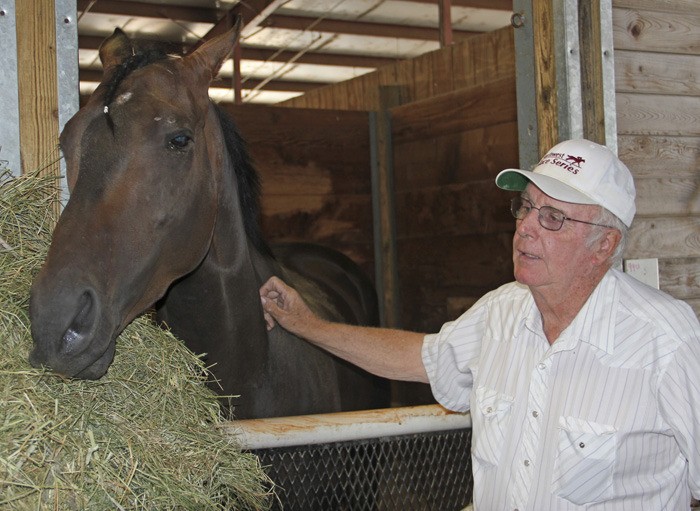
(657, 114)
(456, 157)
(653, 157)
(453, 266)
(664, 237)
(461, 110)
(635, 29)
(482, 60)
(680, 277)
(657, 73)
(307, 150)
(477, 207)
(677, 6)
(666, 196)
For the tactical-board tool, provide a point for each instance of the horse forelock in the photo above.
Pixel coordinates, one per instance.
(249, 185)
(136, 61)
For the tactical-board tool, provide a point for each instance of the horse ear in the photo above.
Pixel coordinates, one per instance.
(115, 49)
(211, 55)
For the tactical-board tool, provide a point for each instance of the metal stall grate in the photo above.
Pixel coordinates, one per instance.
(349, 471)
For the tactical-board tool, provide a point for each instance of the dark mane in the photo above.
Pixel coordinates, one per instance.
(249, 186)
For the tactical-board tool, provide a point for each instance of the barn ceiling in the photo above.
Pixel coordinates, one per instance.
(289, 47)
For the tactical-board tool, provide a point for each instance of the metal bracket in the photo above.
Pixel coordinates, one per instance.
(525, 83)
(68, 81)
(10, 157)
(568, 59)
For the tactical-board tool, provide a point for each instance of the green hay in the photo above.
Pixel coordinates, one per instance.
(145, 436)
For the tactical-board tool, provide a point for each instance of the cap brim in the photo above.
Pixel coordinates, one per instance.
(517, 180)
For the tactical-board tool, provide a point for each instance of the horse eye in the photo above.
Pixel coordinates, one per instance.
(180, 141)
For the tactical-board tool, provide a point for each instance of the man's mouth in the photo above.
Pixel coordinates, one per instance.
(527, 255)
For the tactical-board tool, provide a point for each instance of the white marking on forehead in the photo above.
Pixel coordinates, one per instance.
(169, 120)
(123, 98)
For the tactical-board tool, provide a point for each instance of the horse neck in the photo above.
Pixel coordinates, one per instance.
(216, 308)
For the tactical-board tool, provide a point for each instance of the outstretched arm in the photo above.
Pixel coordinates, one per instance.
(394, 354)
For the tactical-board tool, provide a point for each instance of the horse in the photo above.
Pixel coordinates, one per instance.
(163, 214)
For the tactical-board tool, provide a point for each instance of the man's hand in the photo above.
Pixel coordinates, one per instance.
(283, 305)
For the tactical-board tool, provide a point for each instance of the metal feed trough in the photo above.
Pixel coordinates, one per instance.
(415, 458)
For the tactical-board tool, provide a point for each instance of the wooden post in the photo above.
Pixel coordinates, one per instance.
(445, 13)
(37, 84)
(593, 107)
(384, 209)
(545, 74)
(568, 44)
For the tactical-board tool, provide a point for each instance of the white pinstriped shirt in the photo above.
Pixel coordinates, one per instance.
(606, 418)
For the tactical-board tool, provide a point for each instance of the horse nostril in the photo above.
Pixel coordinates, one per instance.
(79, 330)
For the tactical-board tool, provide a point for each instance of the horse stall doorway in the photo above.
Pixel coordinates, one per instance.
(317, 186)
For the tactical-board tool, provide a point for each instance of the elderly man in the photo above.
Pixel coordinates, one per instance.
(583, 383)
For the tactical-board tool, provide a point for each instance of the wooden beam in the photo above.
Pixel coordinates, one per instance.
(322, 59)
(250, 53)
(37, 84)
(248, 10)
(95, 75)
(498, 5)
(352, 27)
(150, 10)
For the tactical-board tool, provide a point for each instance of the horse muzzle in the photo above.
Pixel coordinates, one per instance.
(70, 335)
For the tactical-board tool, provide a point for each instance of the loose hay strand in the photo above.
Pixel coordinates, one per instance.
(144, 437)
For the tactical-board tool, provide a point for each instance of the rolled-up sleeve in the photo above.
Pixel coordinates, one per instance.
(451, 357)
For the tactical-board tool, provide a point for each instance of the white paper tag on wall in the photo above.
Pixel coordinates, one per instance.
(645, 270)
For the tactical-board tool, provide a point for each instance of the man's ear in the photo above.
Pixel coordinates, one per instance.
(606, 245)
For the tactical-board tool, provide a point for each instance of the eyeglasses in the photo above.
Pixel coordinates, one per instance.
(550, 218)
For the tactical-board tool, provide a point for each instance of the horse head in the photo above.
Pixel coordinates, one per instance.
(142, 204)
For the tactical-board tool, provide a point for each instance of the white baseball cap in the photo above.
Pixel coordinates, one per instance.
(580, 172)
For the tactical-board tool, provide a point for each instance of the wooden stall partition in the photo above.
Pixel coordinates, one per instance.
(454, 130)
(657, 75)
(315, 169)
(446, 153)
(454, 229)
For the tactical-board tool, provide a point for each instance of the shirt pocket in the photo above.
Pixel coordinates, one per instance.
(585, 461)
(490, 417)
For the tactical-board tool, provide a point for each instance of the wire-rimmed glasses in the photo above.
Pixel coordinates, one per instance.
(550, 218)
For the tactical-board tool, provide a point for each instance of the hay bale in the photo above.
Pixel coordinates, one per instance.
(145, 436)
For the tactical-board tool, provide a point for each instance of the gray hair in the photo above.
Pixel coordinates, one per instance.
(605, 217)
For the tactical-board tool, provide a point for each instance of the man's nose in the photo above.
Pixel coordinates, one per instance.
(529, 223)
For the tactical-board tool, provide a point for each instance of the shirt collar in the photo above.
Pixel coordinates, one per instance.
(595, 322)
